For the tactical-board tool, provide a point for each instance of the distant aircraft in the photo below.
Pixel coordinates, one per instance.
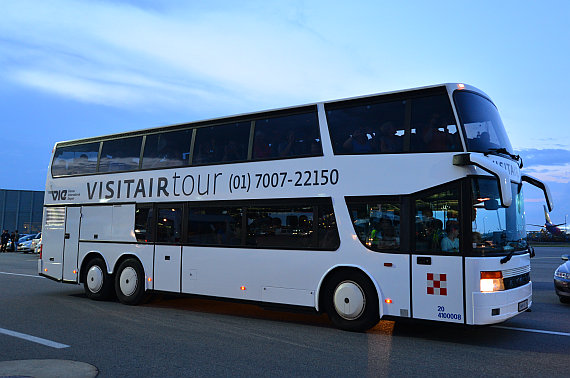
(552, 228)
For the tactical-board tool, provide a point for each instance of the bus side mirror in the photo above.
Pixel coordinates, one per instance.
(491, 204)
(539, 184)
(467, 159)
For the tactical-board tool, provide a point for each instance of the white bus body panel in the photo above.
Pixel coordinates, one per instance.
(292, 277)
(507, 301)
(437, 287)
(167, 260)
(108, 223)
(53, 233)
(71, 244)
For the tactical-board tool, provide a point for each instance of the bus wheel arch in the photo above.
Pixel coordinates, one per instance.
(130, 285)
(350, 298)
(97, 282)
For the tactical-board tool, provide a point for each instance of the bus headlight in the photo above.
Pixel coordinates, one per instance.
(492, 281)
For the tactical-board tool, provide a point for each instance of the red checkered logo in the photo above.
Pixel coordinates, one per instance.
(436, 284)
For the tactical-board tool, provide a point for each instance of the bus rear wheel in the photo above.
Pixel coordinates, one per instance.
(351, 301)
(129, 282)
(98, 284)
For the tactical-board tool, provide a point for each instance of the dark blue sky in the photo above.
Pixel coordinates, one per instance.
(77, 69)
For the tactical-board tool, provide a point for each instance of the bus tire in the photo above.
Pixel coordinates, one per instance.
(130, 282)
(351, 301)
(98, 284)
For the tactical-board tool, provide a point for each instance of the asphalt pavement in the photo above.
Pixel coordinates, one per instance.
(45, 325)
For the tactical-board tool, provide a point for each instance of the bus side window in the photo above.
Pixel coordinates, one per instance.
(120, 154)
(169, 224)
(437, 221)
(144, 224)
(433, 127)
(221, 143)
(376, 222)
(170, 149)
(215, 225)
(281, 227)
(327, 229)
(287, 136)
(75, 160)
(369, 128)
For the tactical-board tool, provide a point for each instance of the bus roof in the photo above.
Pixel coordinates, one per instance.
(258, 114)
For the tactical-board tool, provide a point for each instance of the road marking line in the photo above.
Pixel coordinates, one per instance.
(33, 339)
(19, 274)
(535, 330)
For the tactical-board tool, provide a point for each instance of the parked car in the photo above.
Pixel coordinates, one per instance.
(25, 243)
(562, 280)
(38, 246)
(36, 240)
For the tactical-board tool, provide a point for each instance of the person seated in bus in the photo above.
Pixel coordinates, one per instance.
(233, 152)
(288, 147)
(435, 234)
(389, 141)
(261, 146)
(388, 233)
(358, 142)
(450, 243)
(430, 137)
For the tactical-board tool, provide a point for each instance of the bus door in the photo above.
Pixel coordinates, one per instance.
(437, 264)
(60, 239)
(168, 248)
(71, 243)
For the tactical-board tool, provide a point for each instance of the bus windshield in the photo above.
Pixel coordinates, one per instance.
(495, 228)
(482, 125)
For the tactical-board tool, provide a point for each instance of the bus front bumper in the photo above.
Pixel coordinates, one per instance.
(495, 307)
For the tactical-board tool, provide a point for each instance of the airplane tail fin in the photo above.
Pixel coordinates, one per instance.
(546, 215)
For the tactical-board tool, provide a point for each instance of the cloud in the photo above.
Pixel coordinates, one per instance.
(550, 165)
(121, 55)
(533, 156)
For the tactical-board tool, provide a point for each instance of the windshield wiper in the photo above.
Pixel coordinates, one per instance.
(511, 253)
(504, 151)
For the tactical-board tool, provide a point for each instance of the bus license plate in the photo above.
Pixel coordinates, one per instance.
(523, 305)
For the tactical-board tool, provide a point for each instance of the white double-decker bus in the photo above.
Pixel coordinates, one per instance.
(403, 204)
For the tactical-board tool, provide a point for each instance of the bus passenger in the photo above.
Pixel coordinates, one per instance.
(389, 141)
(358, 142)
(450, 242)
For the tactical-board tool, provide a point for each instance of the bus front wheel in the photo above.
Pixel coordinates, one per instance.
(129, 282)
(351, 301)
(98, 284)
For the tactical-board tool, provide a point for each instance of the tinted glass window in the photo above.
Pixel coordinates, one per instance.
(495, 228)
(280, 226)
(143, 224)
(293, 135)
(170, 149)
(437, 221)
(75, 160)
(370, 128)
(433, 126)
(169, 224)
(376, 223)
(120, 154)
(222, 143)
(482, 125)
(326, 228)
(215, 226)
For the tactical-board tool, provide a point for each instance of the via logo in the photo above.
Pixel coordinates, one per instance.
(58, 195)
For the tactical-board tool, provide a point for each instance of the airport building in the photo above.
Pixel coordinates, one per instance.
(21, 210)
